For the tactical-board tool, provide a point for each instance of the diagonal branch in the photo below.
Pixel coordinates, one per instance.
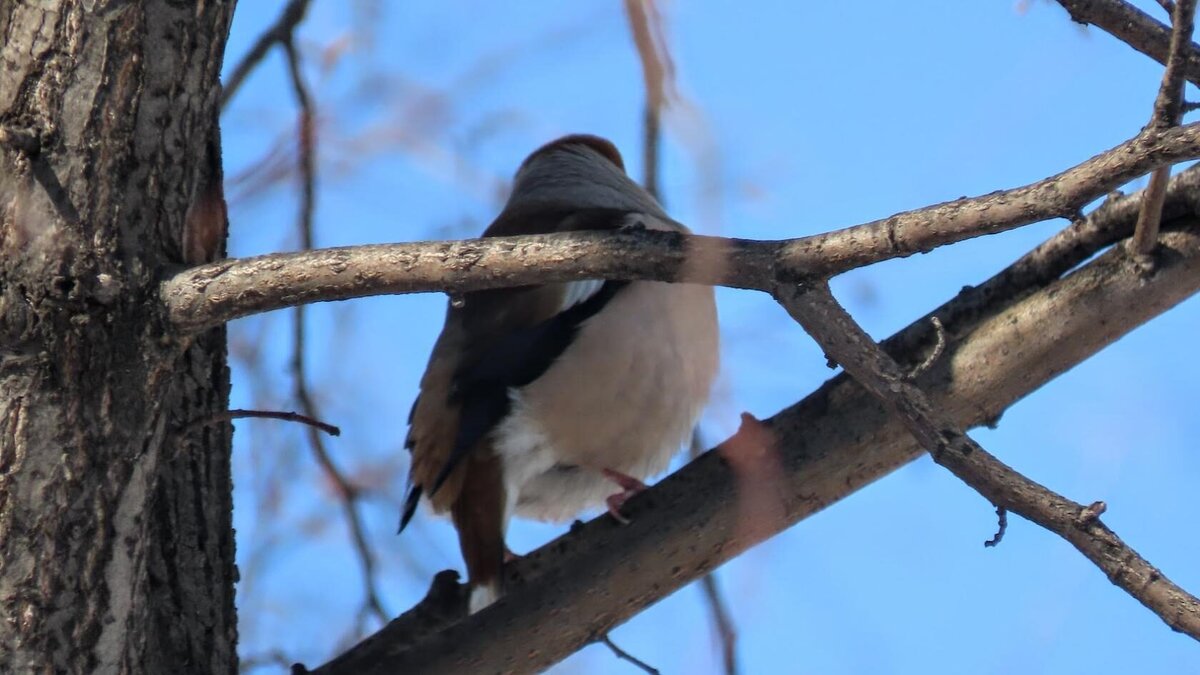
(815, 308)
(1136, 29)
(208, 295)
(831, 444)
(1168, 112)
(280, 33)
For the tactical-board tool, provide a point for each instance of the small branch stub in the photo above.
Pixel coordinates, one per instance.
(1091, 513)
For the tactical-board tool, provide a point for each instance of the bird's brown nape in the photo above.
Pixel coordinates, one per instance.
(478, 514)
(601, 146)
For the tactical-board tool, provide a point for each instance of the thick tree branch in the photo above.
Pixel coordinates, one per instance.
(822, 317)
(212, 294)
(1168, 112)
(1136, 29)
(832, 443)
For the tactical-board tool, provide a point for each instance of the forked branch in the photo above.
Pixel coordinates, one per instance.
(815, 308)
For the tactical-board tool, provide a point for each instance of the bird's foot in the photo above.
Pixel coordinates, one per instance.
(630, 486)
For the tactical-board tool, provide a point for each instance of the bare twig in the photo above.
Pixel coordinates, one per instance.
(1168, 112)
(347, 493)
(280, 32)
(658, 73)
(307, 144)
(1135, 28)
(722, 619)
(208, 295)
(815, 308)
(723, 622)
(1167, 5)
(1001, 527)
(264, 414)
(626, 656)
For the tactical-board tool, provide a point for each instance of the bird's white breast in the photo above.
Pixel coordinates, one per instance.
(624, 395)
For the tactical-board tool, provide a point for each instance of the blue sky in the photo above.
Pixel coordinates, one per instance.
(794, 118)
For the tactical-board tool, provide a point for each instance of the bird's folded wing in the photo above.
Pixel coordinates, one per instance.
(493, 341)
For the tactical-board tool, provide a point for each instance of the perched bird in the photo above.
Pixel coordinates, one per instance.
(542, 401)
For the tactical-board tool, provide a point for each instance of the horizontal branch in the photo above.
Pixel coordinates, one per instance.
(843, 340)
(832, 443)
(208, 295)
(1136, 29)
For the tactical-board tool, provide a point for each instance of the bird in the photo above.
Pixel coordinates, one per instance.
(544, 401)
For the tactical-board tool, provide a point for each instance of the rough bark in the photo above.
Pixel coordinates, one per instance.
(116, 545)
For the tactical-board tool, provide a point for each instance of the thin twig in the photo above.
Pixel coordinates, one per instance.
(348, 494)
(307, 144)
(626, 656)
(1001, 528)
(1168, 112)
(815, 308)
(1167, 5)
(280, 32)
(265, 414)
(722, 618)
(658, 72)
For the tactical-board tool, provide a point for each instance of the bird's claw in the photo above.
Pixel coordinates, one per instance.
(630, 486)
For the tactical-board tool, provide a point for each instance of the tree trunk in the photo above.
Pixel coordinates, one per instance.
(116, 544)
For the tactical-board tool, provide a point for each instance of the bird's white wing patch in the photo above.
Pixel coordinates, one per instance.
(579, 291)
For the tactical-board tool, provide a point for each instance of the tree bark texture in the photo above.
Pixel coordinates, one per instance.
(116, 542)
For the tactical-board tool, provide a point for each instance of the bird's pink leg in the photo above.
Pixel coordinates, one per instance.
(630, 486)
